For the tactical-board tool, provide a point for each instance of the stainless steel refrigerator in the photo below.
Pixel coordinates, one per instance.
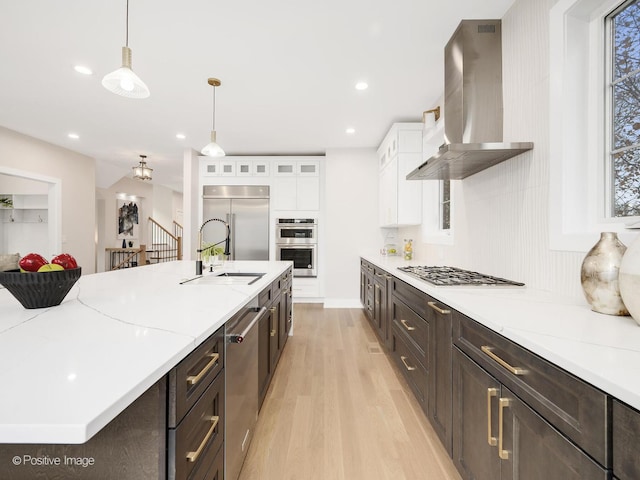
(246, 209)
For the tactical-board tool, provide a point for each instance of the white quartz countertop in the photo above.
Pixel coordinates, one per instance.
(67, 371)
(603, 350)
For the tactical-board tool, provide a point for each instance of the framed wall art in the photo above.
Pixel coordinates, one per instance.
(127, 216)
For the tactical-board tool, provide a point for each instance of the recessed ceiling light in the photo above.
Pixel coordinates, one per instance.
(362, 86)
(75, 136)
(350, 131)
(83, 70)
(181, 136)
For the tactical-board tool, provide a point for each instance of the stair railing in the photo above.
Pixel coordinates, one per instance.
(118, 258)
(165, 246)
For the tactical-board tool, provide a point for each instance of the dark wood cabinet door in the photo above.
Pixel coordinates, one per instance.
(363, 284)
(283, 330)
(274, 326)
(439, 399)
(475, 420)
(369, 292)
(530, 448)
(264, 357)
(626, 432)
(380, 309)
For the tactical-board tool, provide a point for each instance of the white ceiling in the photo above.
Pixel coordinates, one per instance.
(288, 70)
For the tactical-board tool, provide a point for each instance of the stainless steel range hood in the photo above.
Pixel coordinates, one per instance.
(472, 105)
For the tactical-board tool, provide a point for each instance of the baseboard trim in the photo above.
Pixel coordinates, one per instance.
(342, 303)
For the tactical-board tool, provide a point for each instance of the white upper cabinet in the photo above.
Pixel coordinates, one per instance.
(295, 181)
(399, 153)
(296, 185)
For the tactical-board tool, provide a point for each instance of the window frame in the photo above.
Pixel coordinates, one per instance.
(442, 202)
(577, 124)
(431, 228)
(610, 81)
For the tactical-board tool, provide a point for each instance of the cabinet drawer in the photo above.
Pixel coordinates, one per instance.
(265, 297)
(415, 373)
(199, 436)
(411, 296)
(577, 409)
(626, 431)
(276, 287)
(216, 469)
(191, 377)
(414, 327)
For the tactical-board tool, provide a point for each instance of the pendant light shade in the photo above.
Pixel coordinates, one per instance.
(212, 149)
(142, 172)
(123, 81)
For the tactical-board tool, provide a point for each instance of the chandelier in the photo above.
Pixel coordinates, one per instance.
(142, 172)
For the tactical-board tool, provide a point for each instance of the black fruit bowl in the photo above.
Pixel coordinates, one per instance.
(40, 289)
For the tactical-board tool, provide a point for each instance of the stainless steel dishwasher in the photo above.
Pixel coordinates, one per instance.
(241, 367)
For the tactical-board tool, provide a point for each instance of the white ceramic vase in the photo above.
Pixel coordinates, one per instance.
(599, 275)
(630, 279)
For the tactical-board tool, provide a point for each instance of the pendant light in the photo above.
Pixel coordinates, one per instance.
(142, 172)
(123, 81)
(213, 149)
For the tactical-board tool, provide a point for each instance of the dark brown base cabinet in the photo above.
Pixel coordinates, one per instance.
(416, 331)
(497, 436)
(273, 329)
(515, 415)
(626, 439)
(196, 413)
(501, 411)
(131, 447)
(421, 347)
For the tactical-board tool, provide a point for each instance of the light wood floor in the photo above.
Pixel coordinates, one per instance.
(336, 409)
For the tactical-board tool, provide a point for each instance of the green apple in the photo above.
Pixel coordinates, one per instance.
(50, 267)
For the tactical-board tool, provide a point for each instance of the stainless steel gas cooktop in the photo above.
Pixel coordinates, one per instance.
(452, 276)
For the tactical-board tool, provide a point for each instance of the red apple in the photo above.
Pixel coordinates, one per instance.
(65, 260)
(32, 262)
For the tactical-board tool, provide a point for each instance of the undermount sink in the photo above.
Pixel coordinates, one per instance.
(224, 278)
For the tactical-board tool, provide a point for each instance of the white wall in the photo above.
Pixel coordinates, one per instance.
(501, 217)
(351, 221)
(156, 201)
(163, 209)
(77, 175)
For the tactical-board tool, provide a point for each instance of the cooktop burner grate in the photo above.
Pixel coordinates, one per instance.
(452, 276)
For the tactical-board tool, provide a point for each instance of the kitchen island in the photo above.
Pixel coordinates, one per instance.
(68, 371)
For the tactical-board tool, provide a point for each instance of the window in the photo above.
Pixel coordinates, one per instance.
(445, 205)
(623, 181)
(582, 177)
(438, 216)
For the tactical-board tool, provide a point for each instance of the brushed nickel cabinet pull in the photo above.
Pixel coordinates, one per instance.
(404, 360)
(193, 379)
(515, 370)
(438, 309)
(503, 403)
(273, 333)
(273, 309)
(193, 456)
(491, 392)
(406, 325)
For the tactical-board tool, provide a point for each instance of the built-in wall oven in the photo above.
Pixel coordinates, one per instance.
(297, 241)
